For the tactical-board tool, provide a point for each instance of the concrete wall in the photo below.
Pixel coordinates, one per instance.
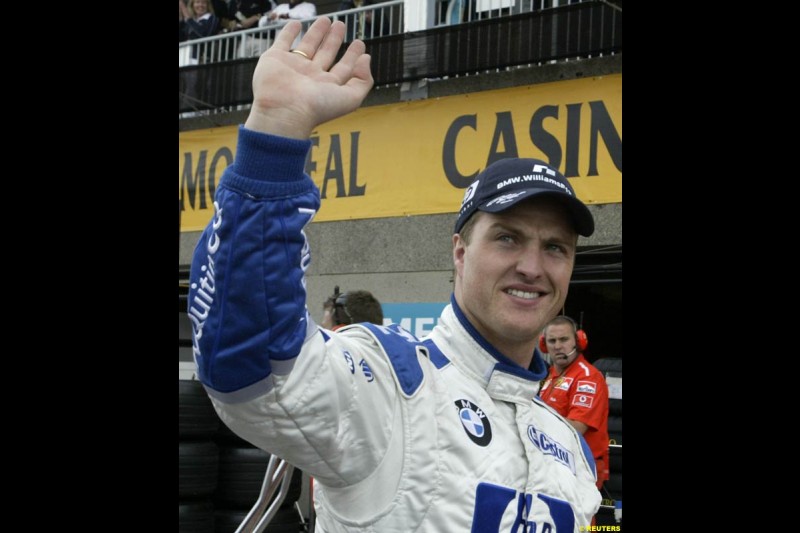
(409, 259)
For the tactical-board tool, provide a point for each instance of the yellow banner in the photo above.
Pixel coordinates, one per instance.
(416, 158)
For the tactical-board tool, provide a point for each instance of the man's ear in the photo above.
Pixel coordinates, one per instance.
(459, 248)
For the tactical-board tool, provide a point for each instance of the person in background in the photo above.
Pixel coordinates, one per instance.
(222, 9)
(576, 389)
(247, 14)
(293, 9)
(439, 434)
(225, 10)
(351, 307)
(197, 20)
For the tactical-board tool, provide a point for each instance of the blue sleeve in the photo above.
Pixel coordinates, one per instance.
(247, 297)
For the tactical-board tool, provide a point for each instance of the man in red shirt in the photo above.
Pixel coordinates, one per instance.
(576, 389)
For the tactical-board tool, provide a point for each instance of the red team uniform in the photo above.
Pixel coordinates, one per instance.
(581, 394)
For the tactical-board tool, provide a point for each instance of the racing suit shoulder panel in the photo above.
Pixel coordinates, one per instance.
(401, 349)
(435, 354)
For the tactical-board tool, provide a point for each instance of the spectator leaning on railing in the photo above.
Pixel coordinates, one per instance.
(248, 13)
(197, 20)
(222, 8)
(292, 10)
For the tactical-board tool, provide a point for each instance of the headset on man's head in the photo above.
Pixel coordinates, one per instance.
(341, 316)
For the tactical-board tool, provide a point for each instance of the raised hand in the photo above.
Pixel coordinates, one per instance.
(294, 92)
(183, 11)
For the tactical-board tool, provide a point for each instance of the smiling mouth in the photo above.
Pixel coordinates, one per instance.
(523, 294)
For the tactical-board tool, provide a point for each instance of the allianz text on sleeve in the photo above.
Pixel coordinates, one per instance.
(417, 318)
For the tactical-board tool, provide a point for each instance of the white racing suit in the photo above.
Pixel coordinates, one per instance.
(434, 435)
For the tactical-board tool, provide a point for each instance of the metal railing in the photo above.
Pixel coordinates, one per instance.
(368, 22)
(582, 30)
(461, 11)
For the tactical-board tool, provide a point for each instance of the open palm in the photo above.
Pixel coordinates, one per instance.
(293, 92)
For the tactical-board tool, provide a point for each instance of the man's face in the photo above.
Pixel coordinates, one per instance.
(512, 277)
(561, 346)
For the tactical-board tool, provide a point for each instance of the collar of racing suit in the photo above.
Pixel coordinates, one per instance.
(503, 379)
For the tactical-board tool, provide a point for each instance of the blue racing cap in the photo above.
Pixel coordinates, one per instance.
(508, 181)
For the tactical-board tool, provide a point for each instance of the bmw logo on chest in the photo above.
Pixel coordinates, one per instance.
(475, 422)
